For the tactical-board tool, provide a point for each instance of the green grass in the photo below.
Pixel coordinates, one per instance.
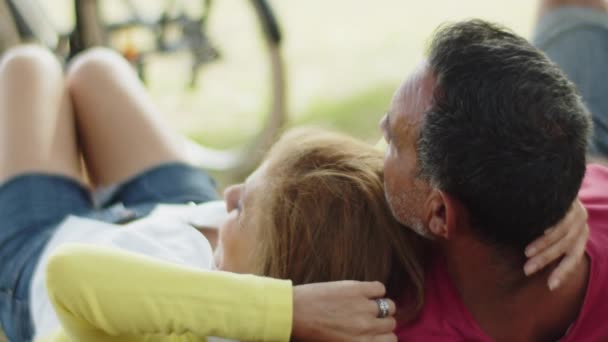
(357, 115)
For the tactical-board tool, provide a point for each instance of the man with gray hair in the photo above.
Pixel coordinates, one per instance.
(488, 144)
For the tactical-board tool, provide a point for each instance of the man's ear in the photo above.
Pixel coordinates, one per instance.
(443, 214)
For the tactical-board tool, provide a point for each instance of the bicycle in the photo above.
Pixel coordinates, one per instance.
(174, 31)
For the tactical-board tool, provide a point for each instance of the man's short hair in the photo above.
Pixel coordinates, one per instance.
(506, 132)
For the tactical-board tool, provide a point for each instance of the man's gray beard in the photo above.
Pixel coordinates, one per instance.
(403, 213)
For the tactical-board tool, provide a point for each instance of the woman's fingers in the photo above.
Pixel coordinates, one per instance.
(551, 236)
(558, 240)
(373, 289)
(342, 311)
(385, 338)
(565, 240)
(575, 219)
(552, 253)
(374, 307)
(569, 262)
(386, 324)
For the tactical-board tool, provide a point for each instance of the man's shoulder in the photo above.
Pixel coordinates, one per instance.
(594, 195)
(595, 183)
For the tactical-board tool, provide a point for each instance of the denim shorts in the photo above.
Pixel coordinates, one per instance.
(576, 39)
(33, 205)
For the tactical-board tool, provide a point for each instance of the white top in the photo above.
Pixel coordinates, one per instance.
(167, 234)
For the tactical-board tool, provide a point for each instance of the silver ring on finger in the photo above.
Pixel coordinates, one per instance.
(383, 307)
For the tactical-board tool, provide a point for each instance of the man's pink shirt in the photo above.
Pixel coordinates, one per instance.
(445, 318)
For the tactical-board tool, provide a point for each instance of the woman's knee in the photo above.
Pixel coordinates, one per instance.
(28, 61)
(93, 65)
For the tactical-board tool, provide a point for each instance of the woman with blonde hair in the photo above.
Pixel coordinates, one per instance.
(314, 211)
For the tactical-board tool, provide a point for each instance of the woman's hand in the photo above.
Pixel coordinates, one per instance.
(568, 239)
(341, 311)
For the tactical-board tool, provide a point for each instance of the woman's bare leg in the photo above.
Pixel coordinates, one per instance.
(37, 127)
(121, 133)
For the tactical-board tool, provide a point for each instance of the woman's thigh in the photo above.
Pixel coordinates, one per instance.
(40, 176)
(122, 133)
(36, 120)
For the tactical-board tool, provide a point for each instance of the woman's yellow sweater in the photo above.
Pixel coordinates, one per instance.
(104, 294)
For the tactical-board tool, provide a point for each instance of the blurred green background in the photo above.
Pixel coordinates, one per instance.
(344, 59)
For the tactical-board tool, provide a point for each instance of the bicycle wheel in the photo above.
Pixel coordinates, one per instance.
(238, 105)
(272, 93)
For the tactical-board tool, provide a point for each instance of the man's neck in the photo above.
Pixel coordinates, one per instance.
(507, 305)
